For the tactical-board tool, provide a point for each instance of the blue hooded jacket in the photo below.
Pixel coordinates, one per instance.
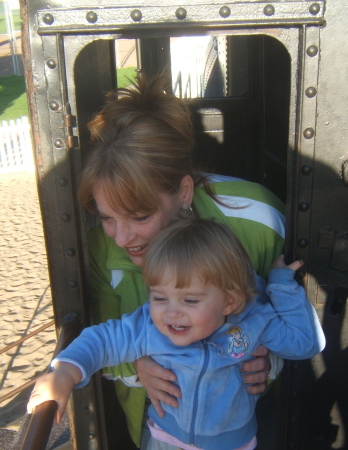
(215, 410)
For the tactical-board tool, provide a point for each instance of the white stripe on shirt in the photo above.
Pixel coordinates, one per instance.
(116, 277)
(246, 208)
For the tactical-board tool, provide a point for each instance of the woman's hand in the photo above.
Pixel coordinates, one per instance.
(261, 366)
(158, 383)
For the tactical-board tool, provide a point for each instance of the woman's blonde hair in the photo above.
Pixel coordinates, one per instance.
(202, 247)
(142, 143)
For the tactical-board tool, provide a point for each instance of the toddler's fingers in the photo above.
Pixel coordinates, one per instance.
(279, 263)
(296, 265)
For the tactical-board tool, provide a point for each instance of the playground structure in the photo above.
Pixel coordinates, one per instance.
(271, 108)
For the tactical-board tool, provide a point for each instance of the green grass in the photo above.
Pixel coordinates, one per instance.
(16, 20)
(13, 99)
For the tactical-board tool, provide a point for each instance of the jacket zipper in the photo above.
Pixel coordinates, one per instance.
(195, 402)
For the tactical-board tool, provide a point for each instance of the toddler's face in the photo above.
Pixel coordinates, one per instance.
(189, 314)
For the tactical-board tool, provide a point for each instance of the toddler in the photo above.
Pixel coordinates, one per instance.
(207, 313)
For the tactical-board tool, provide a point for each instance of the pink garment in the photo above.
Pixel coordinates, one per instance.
(161, 435)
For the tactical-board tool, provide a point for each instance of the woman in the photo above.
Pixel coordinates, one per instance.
(139, 179)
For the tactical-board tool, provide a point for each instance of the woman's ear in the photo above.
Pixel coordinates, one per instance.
(186, 191)
(234, 302)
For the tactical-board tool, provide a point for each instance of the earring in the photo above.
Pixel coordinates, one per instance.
(187, 212)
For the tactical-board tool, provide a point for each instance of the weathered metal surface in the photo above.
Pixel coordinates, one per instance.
(69, 56)
(106, 18)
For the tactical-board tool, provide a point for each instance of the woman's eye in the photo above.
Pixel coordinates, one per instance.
(141, 218)
(104, 218)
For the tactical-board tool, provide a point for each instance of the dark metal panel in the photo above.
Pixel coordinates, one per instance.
(328, 251)
(57, 164)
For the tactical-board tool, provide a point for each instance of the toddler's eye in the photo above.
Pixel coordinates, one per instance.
(159, 299)
(191, 301)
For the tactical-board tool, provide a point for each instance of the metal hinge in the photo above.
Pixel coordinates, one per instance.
(69, 123)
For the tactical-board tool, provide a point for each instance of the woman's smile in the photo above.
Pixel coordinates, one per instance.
(136, 251)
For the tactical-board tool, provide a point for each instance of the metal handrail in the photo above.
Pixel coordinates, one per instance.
(41, 422)
(40, 426)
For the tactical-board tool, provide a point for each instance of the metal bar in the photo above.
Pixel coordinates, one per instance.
(103, 19)
(24, 338)
(40, 426)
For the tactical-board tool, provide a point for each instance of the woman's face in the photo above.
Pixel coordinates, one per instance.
(134, 232)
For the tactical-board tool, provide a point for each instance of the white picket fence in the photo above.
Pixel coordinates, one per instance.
(16, 153)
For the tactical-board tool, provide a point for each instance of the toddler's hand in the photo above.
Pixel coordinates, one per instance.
(280, 264)
(56, 385)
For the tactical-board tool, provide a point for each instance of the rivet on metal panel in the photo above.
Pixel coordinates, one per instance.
(72, 284)
(314, 8)
(306, 169)
(54, 105)
(224, 11)
(136, 15)
(303, 242)
(91, 17)
(91, 436)
(62, 182)
(181, 13)
(308, 133)
(51, 63)
(59, 143)
(70, 252)
(303, 206)
(65, 217)
(48, 18)
(345, 172)
(312, 50)
(268, 10)
(311, 92)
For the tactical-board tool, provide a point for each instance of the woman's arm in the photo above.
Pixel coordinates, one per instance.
(158, 381)
(260, 368)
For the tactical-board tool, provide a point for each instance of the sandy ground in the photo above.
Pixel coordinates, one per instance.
(25, 298)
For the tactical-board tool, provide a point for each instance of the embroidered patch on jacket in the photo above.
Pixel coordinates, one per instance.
(237, 343)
